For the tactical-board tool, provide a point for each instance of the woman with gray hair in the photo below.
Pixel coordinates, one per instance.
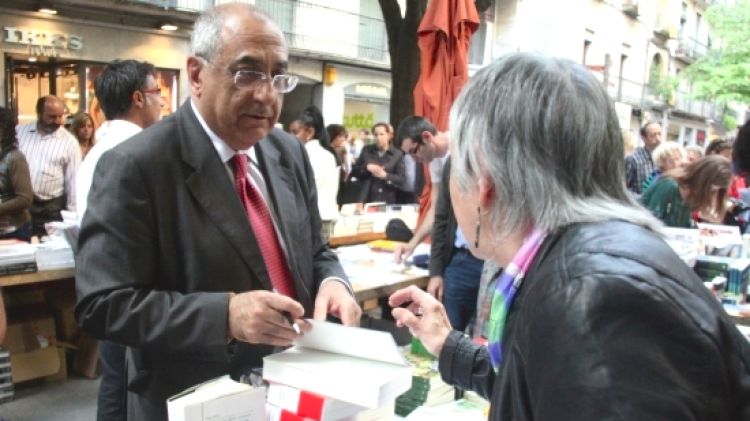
(595, 317)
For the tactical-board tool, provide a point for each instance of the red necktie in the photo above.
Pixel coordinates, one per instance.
(262, 225)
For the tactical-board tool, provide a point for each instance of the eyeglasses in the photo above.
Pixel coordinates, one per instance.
(152, 91)
(244, 79)
(415, 149)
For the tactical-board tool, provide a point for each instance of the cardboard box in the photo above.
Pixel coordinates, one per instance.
(42, 362)
(33, 353)
(29, 335)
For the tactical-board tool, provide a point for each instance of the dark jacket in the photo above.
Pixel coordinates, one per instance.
(610, 325)
(381, 190)
(164, 241)
(444, 227)
(16, 193)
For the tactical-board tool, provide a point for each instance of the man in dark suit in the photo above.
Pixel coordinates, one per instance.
(172, 261)
(454, 272)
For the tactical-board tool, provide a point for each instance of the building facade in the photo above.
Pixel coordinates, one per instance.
(635, 47)
(338, 49)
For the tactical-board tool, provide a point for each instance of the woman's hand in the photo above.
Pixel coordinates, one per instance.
(376, 170)
(423, 315)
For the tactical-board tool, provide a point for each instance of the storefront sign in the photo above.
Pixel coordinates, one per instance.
(42, 43)
(359, 120)
(367, 90)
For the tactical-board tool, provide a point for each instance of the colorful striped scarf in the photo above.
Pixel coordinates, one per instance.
(505, 291)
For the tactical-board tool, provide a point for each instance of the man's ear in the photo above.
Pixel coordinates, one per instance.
(138, 99)
(427, 137)
(194, 67)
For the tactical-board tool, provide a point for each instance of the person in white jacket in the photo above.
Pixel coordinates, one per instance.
(325, 165)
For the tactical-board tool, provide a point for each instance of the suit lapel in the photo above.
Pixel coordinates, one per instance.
(212, 188)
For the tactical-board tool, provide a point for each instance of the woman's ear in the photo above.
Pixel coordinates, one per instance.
(487, 192)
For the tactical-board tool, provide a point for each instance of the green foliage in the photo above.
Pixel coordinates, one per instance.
(724, 73)
(730, 122)
(666, 87)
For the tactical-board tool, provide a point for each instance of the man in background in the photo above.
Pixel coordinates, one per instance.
(53, 155)
(131, 100)
(639, 165)
(419, 139)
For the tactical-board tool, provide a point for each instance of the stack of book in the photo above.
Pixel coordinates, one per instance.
(358, 367)
(286, 403)
(427, 387)
(17, 258)
(736, 271)
(6, 377)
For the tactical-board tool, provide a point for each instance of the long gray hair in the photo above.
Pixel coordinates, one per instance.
(545, 132)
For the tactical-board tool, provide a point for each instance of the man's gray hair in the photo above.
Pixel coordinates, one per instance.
(545, 133)
(206, 37)
(205, 41)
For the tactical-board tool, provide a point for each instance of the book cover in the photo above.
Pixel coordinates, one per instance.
(351, 364)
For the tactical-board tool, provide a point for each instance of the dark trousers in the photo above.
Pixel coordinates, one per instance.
(461, 286)
(110, 404)
(43, 211)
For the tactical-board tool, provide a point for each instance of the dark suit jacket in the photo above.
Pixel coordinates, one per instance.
(444, 227)
(165, 237)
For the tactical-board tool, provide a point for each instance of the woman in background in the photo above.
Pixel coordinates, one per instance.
(325, 167)
(339, 142)
(83, 129)
(383, 164)
(700, 187)
(667, 156)
(15, 182)
(694, 153)
(724, 148)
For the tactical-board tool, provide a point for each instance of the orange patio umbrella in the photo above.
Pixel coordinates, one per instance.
(443, 37)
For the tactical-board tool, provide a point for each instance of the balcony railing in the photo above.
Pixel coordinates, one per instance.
(311, 27)
(683, 102)
(690, 49)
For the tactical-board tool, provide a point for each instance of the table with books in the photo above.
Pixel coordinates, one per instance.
(374, 274)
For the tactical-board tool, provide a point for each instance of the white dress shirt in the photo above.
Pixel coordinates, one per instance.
(326, 179)
(53, 162)
(110, 134)
(226, 153)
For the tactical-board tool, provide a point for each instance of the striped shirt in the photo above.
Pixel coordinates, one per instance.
(53, 162)
(638, 168)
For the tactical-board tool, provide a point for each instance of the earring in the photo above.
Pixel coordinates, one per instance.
(479, 224)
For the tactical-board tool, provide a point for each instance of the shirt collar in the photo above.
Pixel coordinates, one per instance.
(222, 148)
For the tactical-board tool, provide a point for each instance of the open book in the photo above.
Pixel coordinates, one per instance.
(351, 364)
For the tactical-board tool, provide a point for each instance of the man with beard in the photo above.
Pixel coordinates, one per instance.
(53, 155)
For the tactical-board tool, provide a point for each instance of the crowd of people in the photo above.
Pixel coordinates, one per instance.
(202, 233)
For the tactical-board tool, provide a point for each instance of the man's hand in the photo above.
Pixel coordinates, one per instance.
(258, 317)
(402, 252)
(435, 287)
(334, 298)
(424, 316)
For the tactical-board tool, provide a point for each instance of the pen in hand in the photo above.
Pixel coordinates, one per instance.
(291, 321)
(289, 318)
